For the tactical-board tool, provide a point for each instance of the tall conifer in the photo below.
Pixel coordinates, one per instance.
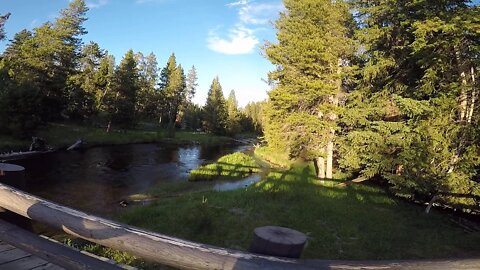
(301, 114)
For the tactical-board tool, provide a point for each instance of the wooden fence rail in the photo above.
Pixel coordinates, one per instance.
(177, 252)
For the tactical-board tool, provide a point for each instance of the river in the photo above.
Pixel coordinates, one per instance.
(96, 180)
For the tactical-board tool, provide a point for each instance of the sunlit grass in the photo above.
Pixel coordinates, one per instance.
(232, 166)
(274, 156)
(354, 222)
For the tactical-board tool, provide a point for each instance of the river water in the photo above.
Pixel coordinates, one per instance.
(95, 180)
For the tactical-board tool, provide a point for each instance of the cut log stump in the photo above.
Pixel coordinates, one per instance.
(278, 241)
(12, 175)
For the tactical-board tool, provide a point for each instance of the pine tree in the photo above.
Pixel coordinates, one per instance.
(215, 110)
(81, 86)
(233, 119)
(301, 114)
(148, 71)
(3, 19)
(253, 120)
(103, 82)
(410, 119)
(125, 88)
(47, 58)
(173, 89)
(192, 84)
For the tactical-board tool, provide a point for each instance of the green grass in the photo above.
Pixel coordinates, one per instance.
(64, 135)
(273, 156)
(11, 144)
(232, 166)
(357, 222)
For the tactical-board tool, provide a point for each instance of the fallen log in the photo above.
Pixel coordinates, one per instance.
(75, 146)
(354, 181)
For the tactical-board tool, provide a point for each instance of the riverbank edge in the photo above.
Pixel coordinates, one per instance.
(61, 136)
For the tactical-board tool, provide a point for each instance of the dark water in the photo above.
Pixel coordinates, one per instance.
(95, 180)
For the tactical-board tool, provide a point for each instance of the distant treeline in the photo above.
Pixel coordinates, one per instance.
(48, 74)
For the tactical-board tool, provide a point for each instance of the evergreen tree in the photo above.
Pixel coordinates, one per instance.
(81, 85)
(47, 58)
(91, 56)
(215, 110)
(233, 119)
(301, 114)
(253, 117)
(13, 62)
(125, 87)
(173, 89)
(192, 84)
(148, 71)
(103, 83)
(193, 116)
(188, 107)
(411, 118)
(3, 19)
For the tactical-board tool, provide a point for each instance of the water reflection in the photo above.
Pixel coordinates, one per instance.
(224, 186)
(96, 179)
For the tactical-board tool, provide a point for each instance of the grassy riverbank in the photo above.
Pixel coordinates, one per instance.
(230, 167)
(354, 222)
(61, 135)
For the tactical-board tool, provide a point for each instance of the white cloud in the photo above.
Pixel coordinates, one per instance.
(96, 3)
(240, 41)
(241, 38)
(253, 13)
(238, 3)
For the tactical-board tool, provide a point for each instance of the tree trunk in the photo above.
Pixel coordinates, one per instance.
(463, 92)
(473, 97)
(463, 97)
(320, 167)
(171, 128)
(172, 119)
(333, 117)
(109, 126)
(329, 172)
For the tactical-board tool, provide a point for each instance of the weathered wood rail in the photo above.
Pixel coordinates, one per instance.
(177, 252)
(34, 249)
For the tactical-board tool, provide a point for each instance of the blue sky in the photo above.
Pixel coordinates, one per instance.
(219, 37)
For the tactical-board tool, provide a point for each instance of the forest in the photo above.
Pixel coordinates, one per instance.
(49, 75)
(384, 90)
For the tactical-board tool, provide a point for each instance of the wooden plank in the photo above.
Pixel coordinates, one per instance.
(48, 266)
(12, 255)
(24, 263)
(52, 252)
(4, 247)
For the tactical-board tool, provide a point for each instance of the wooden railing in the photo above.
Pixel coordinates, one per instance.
(177, 252)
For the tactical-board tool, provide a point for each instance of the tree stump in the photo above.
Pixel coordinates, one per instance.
(278, 241)
(12, 175)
